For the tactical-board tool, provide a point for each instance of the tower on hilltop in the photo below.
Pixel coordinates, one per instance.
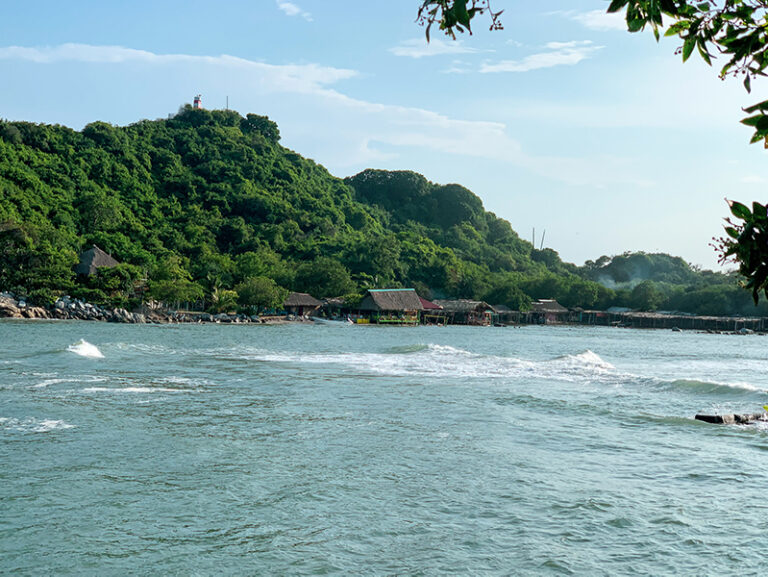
(198, 102)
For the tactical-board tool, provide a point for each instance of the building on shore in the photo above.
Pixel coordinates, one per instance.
(432, 313)
(505, 315)
(301, 304)
(392, 306)
(547, 312)
(467, 312)
(93, 259)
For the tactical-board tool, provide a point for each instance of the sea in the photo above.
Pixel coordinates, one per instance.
(360, 450)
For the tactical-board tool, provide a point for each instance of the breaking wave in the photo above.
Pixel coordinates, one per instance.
(85, 349)
(31, 425)
(443, 361)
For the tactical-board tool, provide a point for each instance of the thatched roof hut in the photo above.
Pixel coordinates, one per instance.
(395, 300)
(301, 300)
(466, 312)
(301, 303)
(93, 259)
(464, 306)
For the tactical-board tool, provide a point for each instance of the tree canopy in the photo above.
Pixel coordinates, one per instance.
(207, 209)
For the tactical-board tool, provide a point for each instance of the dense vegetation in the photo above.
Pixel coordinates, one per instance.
(208, 208)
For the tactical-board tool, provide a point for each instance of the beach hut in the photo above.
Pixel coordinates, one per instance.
(505, 315)
(93, 259)
(301, 304)
(392, 306)
(467, 312)
(432, 313)
(547, 311)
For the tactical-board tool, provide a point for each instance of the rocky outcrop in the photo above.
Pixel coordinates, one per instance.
(66, 308)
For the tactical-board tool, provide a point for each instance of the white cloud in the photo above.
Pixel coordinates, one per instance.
(558, 54)
(753, 179)
(599, 20)
(419, 48)
(292, 9)
(293, 77)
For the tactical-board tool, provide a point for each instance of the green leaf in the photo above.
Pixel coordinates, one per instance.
(617, 5)
(460, 10)
(688, 46)
(748, 83)
(732, 232)
(703, 52)
(635, 25)
(759, 106)
(739, 210)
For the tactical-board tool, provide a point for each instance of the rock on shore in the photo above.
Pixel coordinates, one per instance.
(66, 308)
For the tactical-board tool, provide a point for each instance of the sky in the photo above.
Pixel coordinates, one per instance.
(561, 122)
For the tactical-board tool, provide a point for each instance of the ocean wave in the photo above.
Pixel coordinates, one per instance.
(30, 425)
(441, 361)
(703, 387)
(54, 380)
(85, 349)
(147, 349)
(131, 390)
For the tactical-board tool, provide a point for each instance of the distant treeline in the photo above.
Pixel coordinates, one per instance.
(207, 207)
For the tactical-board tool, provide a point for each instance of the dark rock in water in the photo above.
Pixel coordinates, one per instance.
(732, 419)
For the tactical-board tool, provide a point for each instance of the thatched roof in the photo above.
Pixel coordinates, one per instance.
(92, 259)
(391, 300)
(464, 306)
(301, 300)
(547, 306)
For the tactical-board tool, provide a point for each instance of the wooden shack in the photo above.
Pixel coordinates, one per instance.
(301, 304)
(392, 306)
(432, 313)
(93, 259)
(467, 312)
(547, 311)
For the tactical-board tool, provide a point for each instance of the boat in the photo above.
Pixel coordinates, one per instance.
(340, 322)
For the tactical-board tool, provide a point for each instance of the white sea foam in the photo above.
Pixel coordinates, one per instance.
(130, 390)
(31, 425)
(85, 349)
(444, 361)
(75, 379)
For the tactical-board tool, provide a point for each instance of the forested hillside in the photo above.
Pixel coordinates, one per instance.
(208, 207)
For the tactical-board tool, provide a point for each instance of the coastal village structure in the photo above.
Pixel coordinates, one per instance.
(392, 306)
(301, 304)
(93, 259)
(466, 312)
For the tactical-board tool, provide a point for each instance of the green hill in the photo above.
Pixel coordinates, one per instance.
(208, 207)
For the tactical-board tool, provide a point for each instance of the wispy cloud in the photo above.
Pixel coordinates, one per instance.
(304, 77)
(599, 20)
(557, 54)
(419, 48)
(292, 9)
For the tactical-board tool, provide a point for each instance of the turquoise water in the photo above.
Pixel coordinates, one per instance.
(308, 450)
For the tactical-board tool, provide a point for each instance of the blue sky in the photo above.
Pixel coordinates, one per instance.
(561, 122)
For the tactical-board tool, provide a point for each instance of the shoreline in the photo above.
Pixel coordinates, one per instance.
(76, 310)
(66, 308)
